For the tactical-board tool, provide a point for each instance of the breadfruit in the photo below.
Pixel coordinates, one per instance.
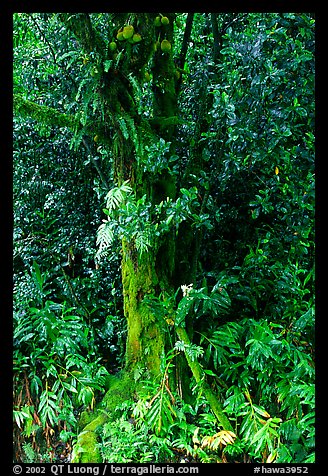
(128, 31)
(119, 35)
(166, 46)
(157, 21)
(136, 38)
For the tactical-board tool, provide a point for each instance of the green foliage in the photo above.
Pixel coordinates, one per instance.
(31, 456)
(143, 223)
(255, 366)
(247, 388)
(192, 350)
(158, 158)
(123, 444)
(223, 187)
(126, 219)
(267, 361)
(200, 303)
(50, 367)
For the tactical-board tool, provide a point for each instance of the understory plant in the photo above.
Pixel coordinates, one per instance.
(262, 373)
(57, 371)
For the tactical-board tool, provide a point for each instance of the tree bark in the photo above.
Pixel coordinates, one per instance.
(216, 36)
(184, 47)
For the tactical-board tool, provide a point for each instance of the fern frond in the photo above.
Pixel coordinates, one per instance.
(105, 234)
(118, 58)
(135, 85)
(88, 93)
(137, 92)
(77, 137)
(105, 237)
(142, 241)
(123, 127)
(192, 350)
(30, 455)
(117, 195)
(129, 130)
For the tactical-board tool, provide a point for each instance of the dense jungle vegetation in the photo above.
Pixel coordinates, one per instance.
(164, 237)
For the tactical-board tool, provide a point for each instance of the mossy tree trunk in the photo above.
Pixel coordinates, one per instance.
(145, 334)
(144, 275)
(152, 274)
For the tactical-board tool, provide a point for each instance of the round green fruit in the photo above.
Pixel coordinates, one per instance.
(136, 38)
(157, 21)
(119, 35)
(112, 46)
(128, 31)
(166, 46)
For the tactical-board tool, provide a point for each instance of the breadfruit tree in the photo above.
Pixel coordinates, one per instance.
(130, 107)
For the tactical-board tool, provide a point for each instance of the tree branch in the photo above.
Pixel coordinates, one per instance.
(217, 37)
(198, 374)
(52, 51)
(43, 36)
(44, 114)
(236, 18)
(185, 41)
(52, 117)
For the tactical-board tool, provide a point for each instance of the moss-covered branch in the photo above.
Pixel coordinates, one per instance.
(43, 114)
(198, 373)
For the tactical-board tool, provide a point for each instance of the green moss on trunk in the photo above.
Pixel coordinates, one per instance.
(145, 338)
(121, 389)
(86, 449)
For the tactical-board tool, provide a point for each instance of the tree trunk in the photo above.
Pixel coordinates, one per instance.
(149, 274)
(145, 334)
(152, 273)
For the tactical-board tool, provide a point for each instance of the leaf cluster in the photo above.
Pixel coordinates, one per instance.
(56, 369)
